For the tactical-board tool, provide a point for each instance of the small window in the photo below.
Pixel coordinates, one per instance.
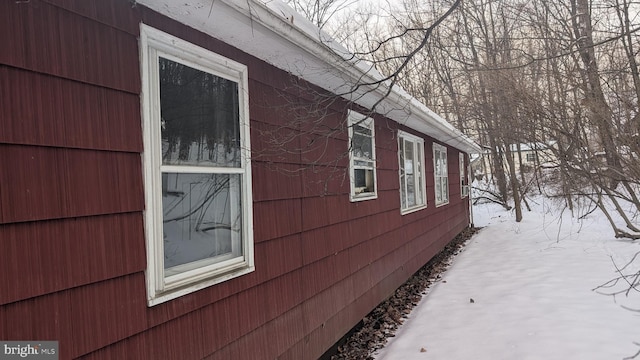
(362, 157)
(464, 186)
(198, 216)
(412, 180)
(441, 174)
(531, 157)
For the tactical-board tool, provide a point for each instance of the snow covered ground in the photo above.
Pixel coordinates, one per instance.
(525, 291)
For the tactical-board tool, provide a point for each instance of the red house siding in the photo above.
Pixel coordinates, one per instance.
(71, 203)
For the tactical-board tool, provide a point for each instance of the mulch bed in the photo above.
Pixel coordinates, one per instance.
(372, 332)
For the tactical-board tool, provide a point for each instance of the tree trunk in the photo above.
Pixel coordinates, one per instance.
(599, 110)
(514, 182)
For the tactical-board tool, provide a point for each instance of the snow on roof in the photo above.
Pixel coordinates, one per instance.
(275, 33)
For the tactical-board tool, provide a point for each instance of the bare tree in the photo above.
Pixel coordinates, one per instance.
(512, 73)
(533, 72)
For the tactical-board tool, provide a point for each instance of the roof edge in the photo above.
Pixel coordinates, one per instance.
(304, 50)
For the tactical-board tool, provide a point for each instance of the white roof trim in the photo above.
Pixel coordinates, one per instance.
(275, 33)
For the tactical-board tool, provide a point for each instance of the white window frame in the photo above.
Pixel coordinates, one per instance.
(464, 188)
(358, 194)
(418, 171)
(203, 273)
(438, 151)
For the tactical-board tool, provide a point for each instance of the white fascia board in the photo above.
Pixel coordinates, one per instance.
(275, 33)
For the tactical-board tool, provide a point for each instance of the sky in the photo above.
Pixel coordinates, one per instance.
(532, 289)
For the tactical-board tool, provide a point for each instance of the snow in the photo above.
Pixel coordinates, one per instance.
(532, 288)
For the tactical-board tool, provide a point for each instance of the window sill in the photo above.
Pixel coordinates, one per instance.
(165, 296)
(358, 198)
(412, 209)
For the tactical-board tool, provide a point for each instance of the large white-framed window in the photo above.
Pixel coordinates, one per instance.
(362, 157)
(411, 166)
(197, 171)
(441, 174)
(464, 186)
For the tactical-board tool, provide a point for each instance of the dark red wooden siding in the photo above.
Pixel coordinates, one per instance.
(71, 202)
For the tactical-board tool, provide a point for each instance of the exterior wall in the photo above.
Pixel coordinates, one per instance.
(71, 205)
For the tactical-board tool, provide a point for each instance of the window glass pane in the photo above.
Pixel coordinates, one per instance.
(419, 170)
(362, 146)
(360, 178)
(411, 173)
(409, 169)
(411, 191)
(363, 163)
(443, 154)
(363, 181)
(441, 174)
(403, 176)
(361, 157)
(199, 117)
(369, 183)
(445, 189)
(201, 217)
(362, 130)
(408, 156)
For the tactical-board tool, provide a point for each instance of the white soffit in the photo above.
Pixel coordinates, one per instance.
(275, 33)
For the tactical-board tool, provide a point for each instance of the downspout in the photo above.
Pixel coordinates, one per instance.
(470, 197)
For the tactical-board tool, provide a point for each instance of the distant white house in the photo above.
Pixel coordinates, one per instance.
(530, 156)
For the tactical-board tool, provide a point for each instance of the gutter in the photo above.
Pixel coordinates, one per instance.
(275, 33)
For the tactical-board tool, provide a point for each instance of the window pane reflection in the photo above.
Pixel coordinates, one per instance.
(201, 217)
(200, 117)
